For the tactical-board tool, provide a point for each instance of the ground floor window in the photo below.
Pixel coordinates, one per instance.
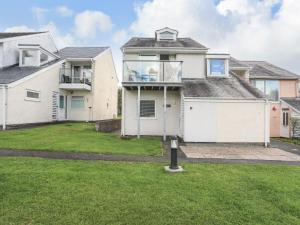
(61, 101)
(77, 102)
(147, 108)
(285, 117)
(32, 95)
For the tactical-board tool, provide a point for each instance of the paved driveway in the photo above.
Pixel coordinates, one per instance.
(245, 152)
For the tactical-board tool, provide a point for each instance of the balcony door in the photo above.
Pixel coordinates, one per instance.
(76, 74)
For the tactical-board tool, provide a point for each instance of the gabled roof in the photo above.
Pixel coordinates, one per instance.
(13, 73)
(221, 88)
(16, 34)
(80, 52)
(139, 42)
(265, 70)
(293, 102)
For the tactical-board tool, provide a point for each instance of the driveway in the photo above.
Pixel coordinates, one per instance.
(239, 152)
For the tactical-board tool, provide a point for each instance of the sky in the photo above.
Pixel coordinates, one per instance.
(247, 29)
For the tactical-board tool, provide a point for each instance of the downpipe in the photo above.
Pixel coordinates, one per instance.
(4, 106)
(267, 121)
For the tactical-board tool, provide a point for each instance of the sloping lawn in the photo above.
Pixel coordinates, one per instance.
(78, 137)
(40, 191)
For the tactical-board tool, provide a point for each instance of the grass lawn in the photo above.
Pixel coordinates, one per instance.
(295, 141)
(80, 137)
(41, 191)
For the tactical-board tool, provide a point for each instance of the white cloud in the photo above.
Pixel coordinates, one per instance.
(39, 14)
(88, 23)
(21, 28)
(60, 39)
(64, 11)
(120, 36)
(245, 28)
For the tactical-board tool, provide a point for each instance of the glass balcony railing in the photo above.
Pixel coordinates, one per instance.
(71, 76)
(152, 71)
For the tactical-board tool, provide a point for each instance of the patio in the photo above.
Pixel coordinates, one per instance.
(232, 151)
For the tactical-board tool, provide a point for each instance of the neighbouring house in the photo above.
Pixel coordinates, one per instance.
(281, 87)
(174, 86)
(41, 84)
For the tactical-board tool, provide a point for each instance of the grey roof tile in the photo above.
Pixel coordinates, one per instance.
(265, 70)
(80, 52)
(16, 34)
(233, 62)
(137, 42)
(14, 73)
(294, 102)
(223, 88)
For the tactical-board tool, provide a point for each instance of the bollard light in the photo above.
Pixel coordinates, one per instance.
(173, 167)
(174, 147)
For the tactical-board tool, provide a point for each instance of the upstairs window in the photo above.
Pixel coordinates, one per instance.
(29, 57)
(269, 87)
(217, 67)
(147, 108)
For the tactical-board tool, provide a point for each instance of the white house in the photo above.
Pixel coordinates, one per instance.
(173, 86)
(41, 84)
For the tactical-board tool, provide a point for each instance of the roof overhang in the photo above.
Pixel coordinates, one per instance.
(169, 49)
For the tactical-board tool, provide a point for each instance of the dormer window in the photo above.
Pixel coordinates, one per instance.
(166, 34)
(34, 55)
(29, 57)
(217, 66)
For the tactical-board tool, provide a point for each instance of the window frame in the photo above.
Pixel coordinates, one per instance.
(226, 68)
(265, 88)
(63, 102)
(285, 117)
(77, 100)
(30, 98)
(155, 113)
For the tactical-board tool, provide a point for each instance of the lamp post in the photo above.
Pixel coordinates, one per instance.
(174, 147)
(173, 167)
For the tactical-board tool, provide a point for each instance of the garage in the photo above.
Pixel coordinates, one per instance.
(215, 115)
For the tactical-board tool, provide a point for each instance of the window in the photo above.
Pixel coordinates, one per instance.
(269, 88)
(147, 108)
(217, 67)
(285, 117)
(29, 58)
(32, 95)
(61, 101)
(77, 102)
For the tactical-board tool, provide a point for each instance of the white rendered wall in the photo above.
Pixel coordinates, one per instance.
(152, 126)
(208, 121)
(22, 111)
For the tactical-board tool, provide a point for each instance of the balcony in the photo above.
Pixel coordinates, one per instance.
(138, 72)
(75, 79)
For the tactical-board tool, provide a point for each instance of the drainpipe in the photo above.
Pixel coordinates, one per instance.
(267, 128)
(4, 106)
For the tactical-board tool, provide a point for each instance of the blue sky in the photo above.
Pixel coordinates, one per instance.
(247, 29)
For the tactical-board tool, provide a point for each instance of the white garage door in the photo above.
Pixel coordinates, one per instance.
(221, 121)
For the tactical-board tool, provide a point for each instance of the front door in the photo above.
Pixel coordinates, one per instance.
(62, 107)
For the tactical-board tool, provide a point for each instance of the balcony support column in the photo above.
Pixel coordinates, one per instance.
(138, 112)
(165, 114)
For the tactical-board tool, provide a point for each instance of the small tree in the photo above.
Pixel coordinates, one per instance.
(293, 125)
